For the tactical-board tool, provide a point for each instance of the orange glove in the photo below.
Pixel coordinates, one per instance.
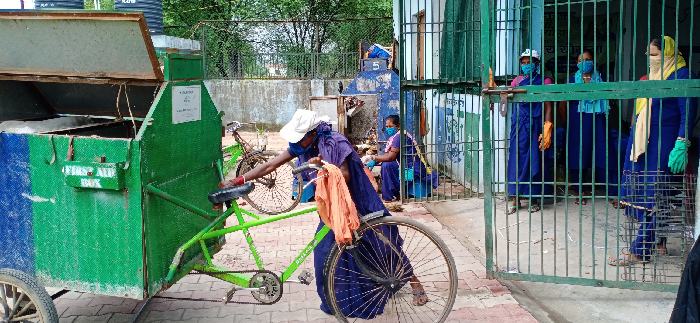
(546, 136)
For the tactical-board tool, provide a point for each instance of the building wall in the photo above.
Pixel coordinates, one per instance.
(269, 102)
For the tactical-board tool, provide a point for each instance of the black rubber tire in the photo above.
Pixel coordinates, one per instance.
(36, 293)
(253, 160)
(332, 260)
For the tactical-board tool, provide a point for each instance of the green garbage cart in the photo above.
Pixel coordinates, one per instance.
(90, 115)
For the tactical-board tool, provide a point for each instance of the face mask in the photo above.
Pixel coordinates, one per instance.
(585, 67)
(297, 149)
(654, 64)
(528, 68)
(390, 131)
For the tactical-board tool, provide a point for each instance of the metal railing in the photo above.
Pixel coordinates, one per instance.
(287, 66)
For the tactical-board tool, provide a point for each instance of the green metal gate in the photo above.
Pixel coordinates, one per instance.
(568, 229)
(462, 59)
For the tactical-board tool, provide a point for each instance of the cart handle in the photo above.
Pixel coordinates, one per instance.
(306, 166)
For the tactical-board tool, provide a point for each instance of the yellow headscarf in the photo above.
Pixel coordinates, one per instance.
(672, 63)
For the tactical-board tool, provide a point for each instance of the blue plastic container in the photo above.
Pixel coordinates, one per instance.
(418, 189)
(377, 51)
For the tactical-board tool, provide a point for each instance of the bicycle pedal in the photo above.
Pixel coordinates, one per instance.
(306, 277)
(226, 299)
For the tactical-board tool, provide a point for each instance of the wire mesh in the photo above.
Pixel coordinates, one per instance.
(288, 49)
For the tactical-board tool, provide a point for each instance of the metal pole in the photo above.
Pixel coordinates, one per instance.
(697, 202)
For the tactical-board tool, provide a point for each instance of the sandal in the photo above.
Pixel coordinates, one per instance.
(512, 209)
(615, 204)
(534, 208)
(626, 260)
(580, 201)
(419, 296)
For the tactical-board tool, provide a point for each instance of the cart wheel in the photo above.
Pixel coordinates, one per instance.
(23, 299)
(273, 194)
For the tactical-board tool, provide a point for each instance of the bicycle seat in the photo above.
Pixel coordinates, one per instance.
(230, 193)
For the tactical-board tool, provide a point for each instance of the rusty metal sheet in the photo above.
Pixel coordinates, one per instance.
(77, 47)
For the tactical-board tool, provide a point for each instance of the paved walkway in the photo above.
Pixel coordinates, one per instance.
(478, 300)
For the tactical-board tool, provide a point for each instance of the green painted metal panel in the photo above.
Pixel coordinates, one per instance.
(119, 41)
(87, 240)
(472, 122)
(486, 55)
(588, 282)
(182, 66)
(90, 175)
(610, 90)
(180, 149)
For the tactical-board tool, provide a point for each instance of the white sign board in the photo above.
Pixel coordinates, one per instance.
(325, 106)
(187, 103)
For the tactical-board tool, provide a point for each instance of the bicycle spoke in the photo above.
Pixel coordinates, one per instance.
(24, 318)
(25, 308)
(415, 258)
(366, 303)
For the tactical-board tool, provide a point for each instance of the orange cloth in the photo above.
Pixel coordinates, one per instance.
(371, 178)
(335, 205)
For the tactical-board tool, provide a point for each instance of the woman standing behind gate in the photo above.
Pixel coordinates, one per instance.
(530, 134)
(658, 147)
(586, 133)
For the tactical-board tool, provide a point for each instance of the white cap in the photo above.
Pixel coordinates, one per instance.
(530, 53)
(302, 122)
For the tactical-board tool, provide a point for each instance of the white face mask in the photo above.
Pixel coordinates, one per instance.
(654, 64)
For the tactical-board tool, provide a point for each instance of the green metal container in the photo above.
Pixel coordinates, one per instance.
(73, 209)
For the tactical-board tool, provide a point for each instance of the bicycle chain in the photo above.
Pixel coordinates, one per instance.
(219, 301)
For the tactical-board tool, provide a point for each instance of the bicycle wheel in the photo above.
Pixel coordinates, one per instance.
(22, 299)
(273, 194)
(399, 258)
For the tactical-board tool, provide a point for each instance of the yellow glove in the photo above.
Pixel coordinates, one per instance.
(546, 136)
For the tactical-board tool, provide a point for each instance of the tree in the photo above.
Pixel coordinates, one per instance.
(104, 4)
(233, 43)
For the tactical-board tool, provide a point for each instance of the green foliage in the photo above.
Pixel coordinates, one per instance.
(104, 4)
(237, 42)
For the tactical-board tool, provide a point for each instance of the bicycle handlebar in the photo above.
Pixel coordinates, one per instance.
(235, 125)
(304, 167)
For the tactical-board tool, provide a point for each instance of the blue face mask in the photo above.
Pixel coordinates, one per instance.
(585, 67)
(297, 149)
(390, 131)
(528, 68)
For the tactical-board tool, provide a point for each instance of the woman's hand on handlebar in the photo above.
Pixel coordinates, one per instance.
(316, 161)
(240, 180)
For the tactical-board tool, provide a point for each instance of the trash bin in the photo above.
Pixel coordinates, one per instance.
(89, 120)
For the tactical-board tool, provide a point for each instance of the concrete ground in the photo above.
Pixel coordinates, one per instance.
(553, 302)
(478, 299)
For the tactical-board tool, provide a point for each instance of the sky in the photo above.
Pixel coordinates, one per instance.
(15, 4)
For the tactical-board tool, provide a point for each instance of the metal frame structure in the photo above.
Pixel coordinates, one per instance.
(618, 32)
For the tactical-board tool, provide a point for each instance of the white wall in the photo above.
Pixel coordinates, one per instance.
(16, 4)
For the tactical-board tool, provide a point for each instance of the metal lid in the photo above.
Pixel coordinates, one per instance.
(80, 47)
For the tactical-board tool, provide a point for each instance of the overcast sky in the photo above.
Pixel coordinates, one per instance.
(16, 4)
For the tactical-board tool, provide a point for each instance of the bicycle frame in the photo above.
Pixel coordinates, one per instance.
(236, 151)
(177, 271)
